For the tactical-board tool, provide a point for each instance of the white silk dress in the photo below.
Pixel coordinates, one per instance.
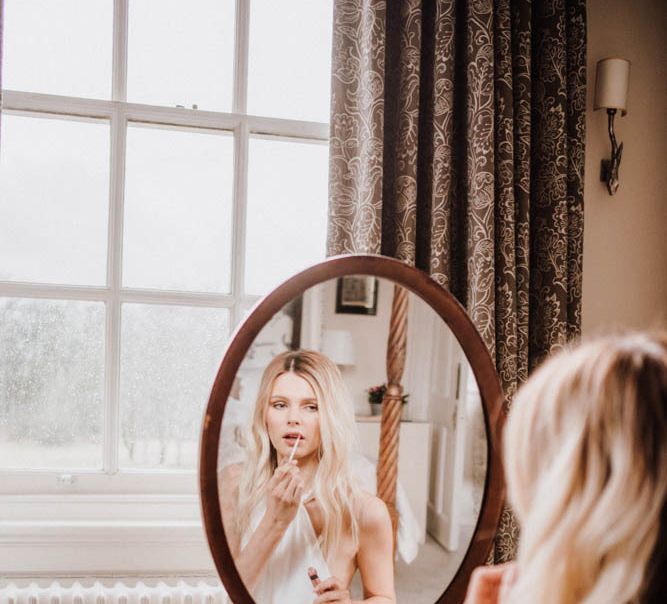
(285, 579)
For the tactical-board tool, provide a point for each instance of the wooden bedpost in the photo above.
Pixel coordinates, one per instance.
(387, 469)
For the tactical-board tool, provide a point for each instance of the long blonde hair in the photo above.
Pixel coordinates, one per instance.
(333, 486)
(586, 467)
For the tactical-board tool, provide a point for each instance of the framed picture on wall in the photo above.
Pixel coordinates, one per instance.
(357, 295)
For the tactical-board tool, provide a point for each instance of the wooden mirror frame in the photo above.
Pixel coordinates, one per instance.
(454, 315)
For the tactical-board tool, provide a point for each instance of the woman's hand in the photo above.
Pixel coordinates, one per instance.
(490, 584)
(284, 493)
(331, 590)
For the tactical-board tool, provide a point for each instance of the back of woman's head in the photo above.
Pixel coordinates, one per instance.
(586, 467)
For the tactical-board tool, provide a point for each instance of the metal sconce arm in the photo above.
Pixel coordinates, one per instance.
(609, 172)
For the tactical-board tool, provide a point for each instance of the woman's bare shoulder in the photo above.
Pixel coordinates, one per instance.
(372, 513)
(230, 476)
(228, 490)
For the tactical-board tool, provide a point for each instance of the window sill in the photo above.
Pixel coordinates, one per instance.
(102, 535)
(80, 482)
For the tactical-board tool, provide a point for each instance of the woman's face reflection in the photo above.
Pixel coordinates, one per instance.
(292, 413)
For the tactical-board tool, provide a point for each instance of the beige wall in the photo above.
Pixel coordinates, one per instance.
(625, 235)
(369, 334)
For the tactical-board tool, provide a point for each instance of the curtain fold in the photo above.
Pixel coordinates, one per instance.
(457, 145)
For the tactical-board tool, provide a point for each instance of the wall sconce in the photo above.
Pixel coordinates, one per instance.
(611, 93)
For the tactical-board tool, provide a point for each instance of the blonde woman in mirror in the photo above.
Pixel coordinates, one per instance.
(285, 517)
(586, 468)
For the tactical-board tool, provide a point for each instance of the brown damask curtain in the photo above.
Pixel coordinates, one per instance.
(457, 145)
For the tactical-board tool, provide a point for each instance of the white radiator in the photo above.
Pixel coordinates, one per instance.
(119, 593)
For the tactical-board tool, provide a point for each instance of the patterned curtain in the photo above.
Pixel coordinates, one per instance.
(457, 145)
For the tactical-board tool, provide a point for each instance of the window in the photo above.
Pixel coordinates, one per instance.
(157, 166)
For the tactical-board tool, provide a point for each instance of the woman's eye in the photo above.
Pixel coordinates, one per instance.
(278, 405)
(311, 407)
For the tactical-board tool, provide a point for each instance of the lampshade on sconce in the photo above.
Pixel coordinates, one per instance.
(611, 93)
(338, 345)
(611, 84)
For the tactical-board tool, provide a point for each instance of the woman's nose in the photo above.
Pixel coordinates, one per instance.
(293, 417)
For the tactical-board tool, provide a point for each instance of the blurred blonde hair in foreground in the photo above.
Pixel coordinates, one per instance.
(586, 468)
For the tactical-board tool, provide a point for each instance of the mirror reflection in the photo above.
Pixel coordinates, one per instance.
(300, 450)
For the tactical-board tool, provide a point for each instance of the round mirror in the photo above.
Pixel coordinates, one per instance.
(431, 456)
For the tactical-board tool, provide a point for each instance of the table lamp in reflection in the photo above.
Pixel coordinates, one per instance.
(338, 345)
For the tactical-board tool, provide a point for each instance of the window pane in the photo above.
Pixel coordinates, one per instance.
(169, 358)
(178, 210)
(289, 74)
(287, 210)
(181, 53)
(54, 191)
(51, 383)
(58, 47)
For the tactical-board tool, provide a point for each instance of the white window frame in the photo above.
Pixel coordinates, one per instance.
(86, 507)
